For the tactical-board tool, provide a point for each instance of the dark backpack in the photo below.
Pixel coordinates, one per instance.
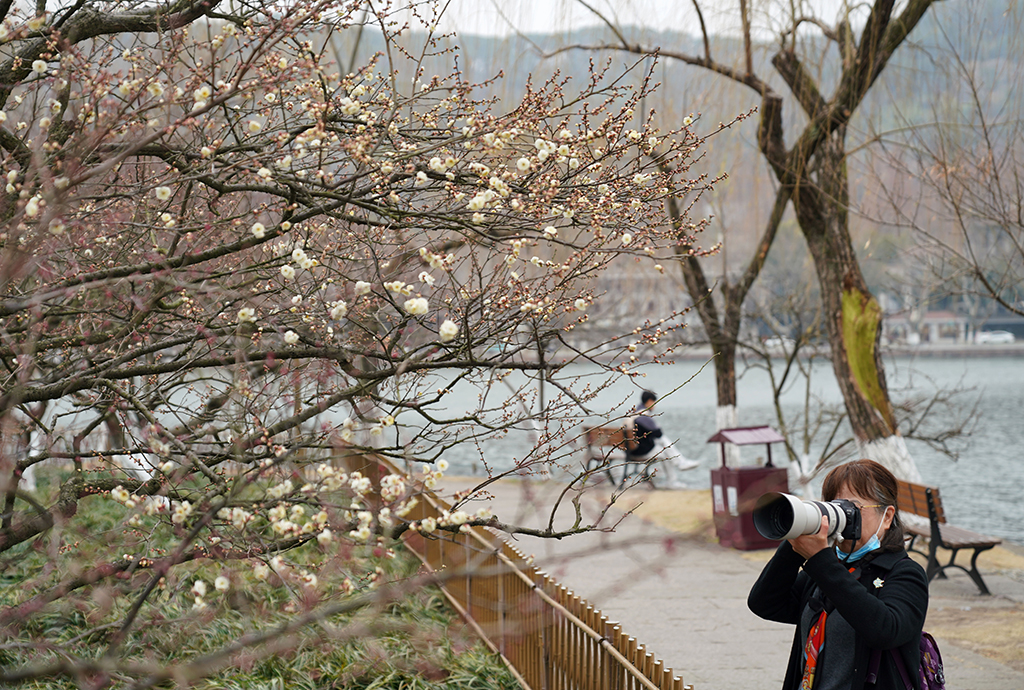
(930, 674)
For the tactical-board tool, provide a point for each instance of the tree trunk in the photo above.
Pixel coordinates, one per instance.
(722, 332)
(853, 316)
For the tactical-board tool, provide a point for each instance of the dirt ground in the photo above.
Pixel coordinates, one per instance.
(990, 626)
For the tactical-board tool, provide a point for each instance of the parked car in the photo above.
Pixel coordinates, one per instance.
(997, 337)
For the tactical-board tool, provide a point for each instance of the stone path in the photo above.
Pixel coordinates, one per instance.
(685, 599)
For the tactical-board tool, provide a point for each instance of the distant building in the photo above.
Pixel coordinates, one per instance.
(913, 327)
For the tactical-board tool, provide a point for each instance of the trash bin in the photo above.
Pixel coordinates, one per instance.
(734, 491)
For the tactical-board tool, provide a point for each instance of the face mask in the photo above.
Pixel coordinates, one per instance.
(872, 544)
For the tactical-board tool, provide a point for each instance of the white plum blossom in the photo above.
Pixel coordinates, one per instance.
(523, 164)
(255, 127)
(291, 337)
(199, 588)
(287, 272)
(421, 178)
(687, 121)
(39, 66)
(325, 537)
(261, 571)
(222, 584)
(359, 484)
(458, 517)
(246, 315)
(162, 193)
(258, 230)
(417, 306)
(581, 304)
(362, 287)
(448, 330)
(626, 238)
(392, 487)
(544, 145)
(339, 309)
(180, 512)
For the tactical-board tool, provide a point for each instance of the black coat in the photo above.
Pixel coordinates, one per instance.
(645, 430)
(890, 616)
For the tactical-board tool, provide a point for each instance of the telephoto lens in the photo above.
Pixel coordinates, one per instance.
(782, 516)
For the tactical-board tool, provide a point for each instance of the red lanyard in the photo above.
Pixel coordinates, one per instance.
(815, 641)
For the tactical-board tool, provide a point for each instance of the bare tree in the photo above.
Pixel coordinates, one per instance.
(966, 205)
(811, 175)
(230, 270)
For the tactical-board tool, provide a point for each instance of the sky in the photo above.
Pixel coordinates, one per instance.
(497, 17)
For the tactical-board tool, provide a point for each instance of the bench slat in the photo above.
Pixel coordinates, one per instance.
(615, 436)
(913, 498)
(957, 537)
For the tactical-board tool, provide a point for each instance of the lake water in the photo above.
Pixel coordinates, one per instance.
(981, 491)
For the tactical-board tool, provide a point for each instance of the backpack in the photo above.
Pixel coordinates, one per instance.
(931, 677)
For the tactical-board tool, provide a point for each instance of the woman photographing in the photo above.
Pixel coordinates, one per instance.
(853, 602)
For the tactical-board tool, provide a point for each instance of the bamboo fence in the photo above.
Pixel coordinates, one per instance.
(549, 637)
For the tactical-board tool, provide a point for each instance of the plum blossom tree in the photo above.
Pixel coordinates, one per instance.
(227, 265)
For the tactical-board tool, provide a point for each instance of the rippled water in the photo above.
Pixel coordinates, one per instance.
(981, 491)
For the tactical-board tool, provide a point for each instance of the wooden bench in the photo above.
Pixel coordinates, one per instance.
(601, 442)
(925, 502)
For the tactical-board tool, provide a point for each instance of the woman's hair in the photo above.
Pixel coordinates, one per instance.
(870, 480)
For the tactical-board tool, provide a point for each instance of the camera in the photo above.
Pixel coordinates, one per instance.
(781, 516)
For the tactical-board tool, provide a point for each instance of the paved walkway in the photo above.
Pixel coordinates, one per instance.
(686, 599)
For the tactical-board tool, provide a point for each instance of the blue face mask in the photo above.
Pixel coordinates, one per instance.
(872, 544)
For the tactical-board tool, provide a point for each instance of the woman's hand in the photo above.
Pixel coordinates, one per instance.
(809, 544)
